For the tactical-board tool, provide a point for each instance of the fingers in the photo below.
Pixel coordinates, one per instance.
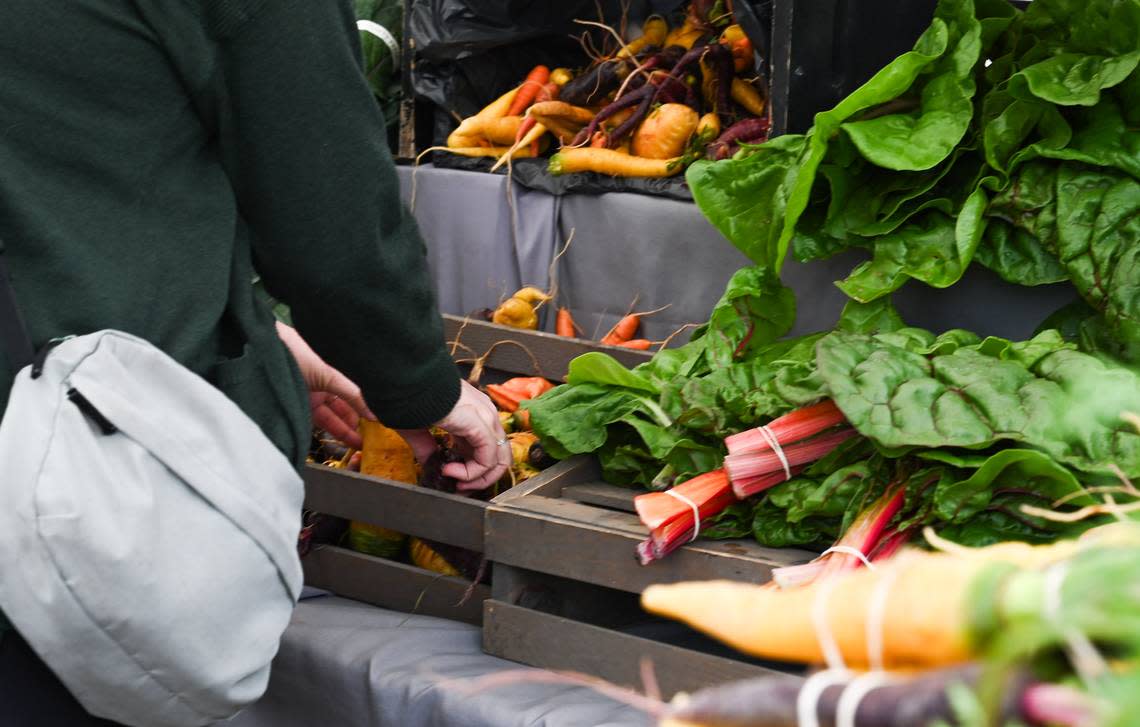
(421, 441)
(343, 410)
(347, 393)
(333, 423)
(475, 421)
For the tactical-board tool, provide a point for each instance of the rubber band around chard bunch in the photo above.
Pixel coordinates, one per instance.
(832, 654)
(774, 443)
(854, 693)
(807, 700)
(853, 552)
(877, 616)
(696, 512)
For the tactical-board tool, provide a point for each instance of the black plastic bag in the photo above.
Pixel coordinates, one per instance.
(532, 174)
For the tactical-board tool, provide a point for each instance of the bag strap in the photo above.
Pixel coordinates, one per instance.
(14, 336)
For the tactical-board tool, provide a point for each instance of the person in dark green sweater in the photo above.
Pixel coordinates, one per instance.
(154, 155)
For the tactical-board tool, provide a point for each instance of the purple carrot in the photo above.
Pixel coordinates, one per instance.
(749, 131)
(720, 59)
(591, 86)
(635, 118)
(771, 702)
(630, 99)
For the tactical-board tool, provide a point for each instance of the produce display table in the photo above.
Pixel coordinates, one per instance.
(345, 662)
(661, 250)
(348, 663)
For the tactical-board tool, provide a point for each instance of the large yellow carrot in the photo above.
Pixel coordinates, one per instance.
(921, 600)
(472, 126)
(925, 616)
(612, 162)
(502, 131)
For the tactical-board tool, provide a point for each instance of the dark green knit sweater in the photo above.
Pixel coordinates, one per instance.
(155, 153)
(151, 150)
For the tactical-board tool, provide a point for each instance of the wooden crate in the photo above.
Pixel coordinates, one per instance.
(566, 579)
(551, 354)
(422, 512)
(418, 511)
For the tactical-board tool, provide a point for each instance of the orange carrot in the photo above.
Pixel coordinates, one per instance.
(623, 330)
(638, 344)
(508, 394)
(564, 323)
(548, 92)
(535, 80)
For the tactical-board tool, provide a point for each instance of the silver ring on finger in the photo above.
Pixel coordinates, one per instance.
(500, 442)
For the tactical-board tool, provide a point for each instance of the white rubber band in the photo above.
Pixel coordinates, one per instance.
(775, 444)
(1087, 661)
(696, 512)
(854, 693)
(877, 617)
(807, 700)
(848, 550)
(378, 30)
(832, 656)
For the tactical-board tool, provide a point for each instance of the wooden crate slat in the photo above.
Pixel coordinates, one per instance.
(392, 585)
(551, 543)
(552, 642)
(552, 353)
(603, 495)
(551, 481)
(419, 511)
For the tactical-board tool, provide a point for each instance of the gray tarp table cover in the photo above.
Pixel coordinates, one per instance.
(663, 252)
(348, 664)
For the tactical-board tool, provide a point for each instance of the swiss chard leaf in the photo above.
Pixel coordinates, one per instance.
(745, 198)
(755, 309)
(1098, 215)
(1010, 472)
(1067, 406)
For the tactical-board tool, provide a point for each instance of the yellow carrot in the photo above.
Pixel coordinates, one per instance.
(653, 33)
(746, 95)
(612, 162)
(501, 131)
(473, 125)
(925, 617)
(485, 151)
(524, 147)
(921, 600)
(665, 132)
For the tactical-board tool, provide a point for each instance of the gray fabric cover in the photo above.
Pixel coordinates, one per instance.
(353, 665)
(663, 252)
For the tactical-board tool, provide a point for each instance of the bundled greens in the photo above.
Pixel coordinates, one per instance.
(1004, 137)
(1053, 633)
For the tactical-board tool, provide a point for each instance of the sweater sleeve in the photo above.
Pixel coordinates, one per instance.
(306, 148)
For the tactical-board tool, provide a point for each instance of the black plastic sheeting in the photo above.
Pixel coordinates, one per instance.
(532, 174)
(468, 52)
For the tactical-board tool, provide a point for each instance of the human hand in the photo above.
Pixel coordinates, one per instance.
(479, 438)
(335, 401)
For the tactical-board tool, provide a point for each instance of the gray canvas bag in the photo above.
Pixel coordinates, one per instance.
(147, 529)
